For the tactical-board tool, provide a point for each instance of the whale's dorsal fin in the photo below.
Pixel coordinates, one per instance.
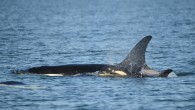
(136, 58)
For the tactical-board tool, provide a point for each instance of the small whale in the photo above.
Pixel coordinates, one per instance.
(12, 83)
(134, 65)
(19, 85)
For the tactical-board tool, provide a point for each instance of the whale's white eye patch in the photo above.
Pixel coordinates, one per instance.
(120, 73)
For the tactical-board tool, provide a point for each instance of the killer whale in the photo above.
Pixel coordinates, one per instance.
(19, 85)
(12, 83)
(70, 69)
(134, 65)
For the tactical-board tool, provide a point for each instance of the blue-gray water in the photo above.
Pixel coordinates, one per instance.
(58, 32)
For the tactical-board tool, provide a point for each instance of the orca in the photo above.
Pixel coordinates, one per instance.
(19, 85)
(12, 83)
(134, 65)
(70, 69)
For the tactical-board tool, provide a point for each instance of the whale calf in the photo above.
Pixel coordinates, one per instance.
(19, 85)
(12, 83)
(134, 65)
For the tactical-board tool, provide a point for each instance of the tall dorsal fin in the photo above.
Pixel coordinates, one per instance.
(137, 55)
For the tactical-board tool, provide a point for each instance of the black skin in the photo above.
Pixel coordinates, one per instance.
(71, 69)
(12, 83)
(165, 73)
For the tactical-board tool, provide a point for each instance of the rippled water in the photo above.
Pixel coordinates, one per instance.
(48, 32)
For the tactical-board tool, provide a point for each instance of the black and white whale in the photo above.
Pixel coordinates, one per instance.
(12, 83)
(134, 65)
(19, 85)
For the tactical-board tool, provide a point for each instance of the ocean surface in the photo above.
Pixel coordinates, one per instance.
(58, 32)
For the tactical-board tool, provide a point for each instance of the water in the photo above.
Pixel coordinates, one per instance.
(47, 32)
